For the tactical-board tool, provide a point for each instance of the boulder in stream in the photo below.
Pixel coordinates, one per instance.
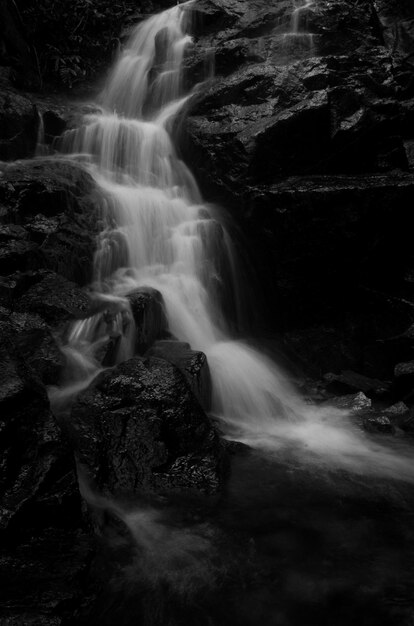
(139, 428)
(147, 307)
(192, 363)
(356, 403)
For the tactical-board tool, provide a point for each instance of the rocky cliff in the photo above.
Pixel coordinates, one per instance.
(307, 137)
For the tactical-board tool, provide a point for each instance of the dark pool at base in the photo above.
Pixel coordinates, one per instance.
(286, 545)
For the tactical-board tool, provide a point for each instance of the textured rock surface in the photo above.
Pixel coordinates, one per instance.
(139, 428)
(191, 363)
(48, 215)
(356, 403)
(350, 381)
(36, 464)
(147, 307)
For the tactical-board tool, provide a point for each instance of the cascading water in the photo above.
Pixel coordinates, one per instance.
(299, 39)
(159, 234)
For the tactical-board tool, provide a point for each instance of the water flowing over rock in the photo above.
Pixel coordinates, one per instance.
(174, 243)
(147, 307)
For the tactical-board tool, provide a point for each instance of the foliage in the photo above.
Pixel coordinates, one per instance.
(73, 38)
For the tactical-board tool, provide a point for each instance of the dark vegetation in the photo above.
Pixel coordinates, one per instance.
(64, 43)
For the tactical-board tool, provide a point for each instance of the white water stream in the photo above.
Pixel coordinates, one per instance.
(158, 233)
(299, 36)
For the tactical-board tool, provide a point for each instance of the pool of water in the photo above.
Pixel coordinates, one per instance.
(288, 543)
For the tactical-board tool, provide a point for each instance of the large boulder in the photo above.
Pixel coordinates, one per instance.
(147, 308)
(139, 428)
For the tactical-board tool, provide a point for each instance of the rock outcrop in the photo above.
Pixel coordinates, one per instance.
(307, 137)
(48, 217)
(139, 429)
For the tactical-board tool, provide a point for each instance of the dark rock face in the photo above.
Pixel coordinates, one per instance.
(308, 140)
(48, 214)
(378, 424)
(45, 548)
(139, 428)
(37, 476)
(48, 220)
(33, 341)
(147, 307)
(191, 363)
(30, 437)
(55, 299)
(18, 126)
(338, 109)
(356, 403)
(348, 380)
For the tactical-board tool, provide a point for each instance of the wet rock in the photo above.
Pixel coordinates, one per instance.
(18, 255)
(396, 23)
(18, 125)
(44, 551)
(147, 307)
(404, 379)
(314, 236)
(375, 423)
(212, 15)
(55, 299)
(400, 415)
(34, 342)
(396, 410)
(404, 369)
(357, 403)
(139, 428)
(191, 363)
(350, 381)
(34, 457)
(341, 112)
(54, 206)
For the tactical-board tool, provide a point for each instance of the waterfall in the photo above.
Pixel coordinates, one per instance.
(158, 233)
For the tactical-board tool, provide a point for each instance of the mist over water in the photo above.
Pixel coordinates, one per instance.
(159, 233)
